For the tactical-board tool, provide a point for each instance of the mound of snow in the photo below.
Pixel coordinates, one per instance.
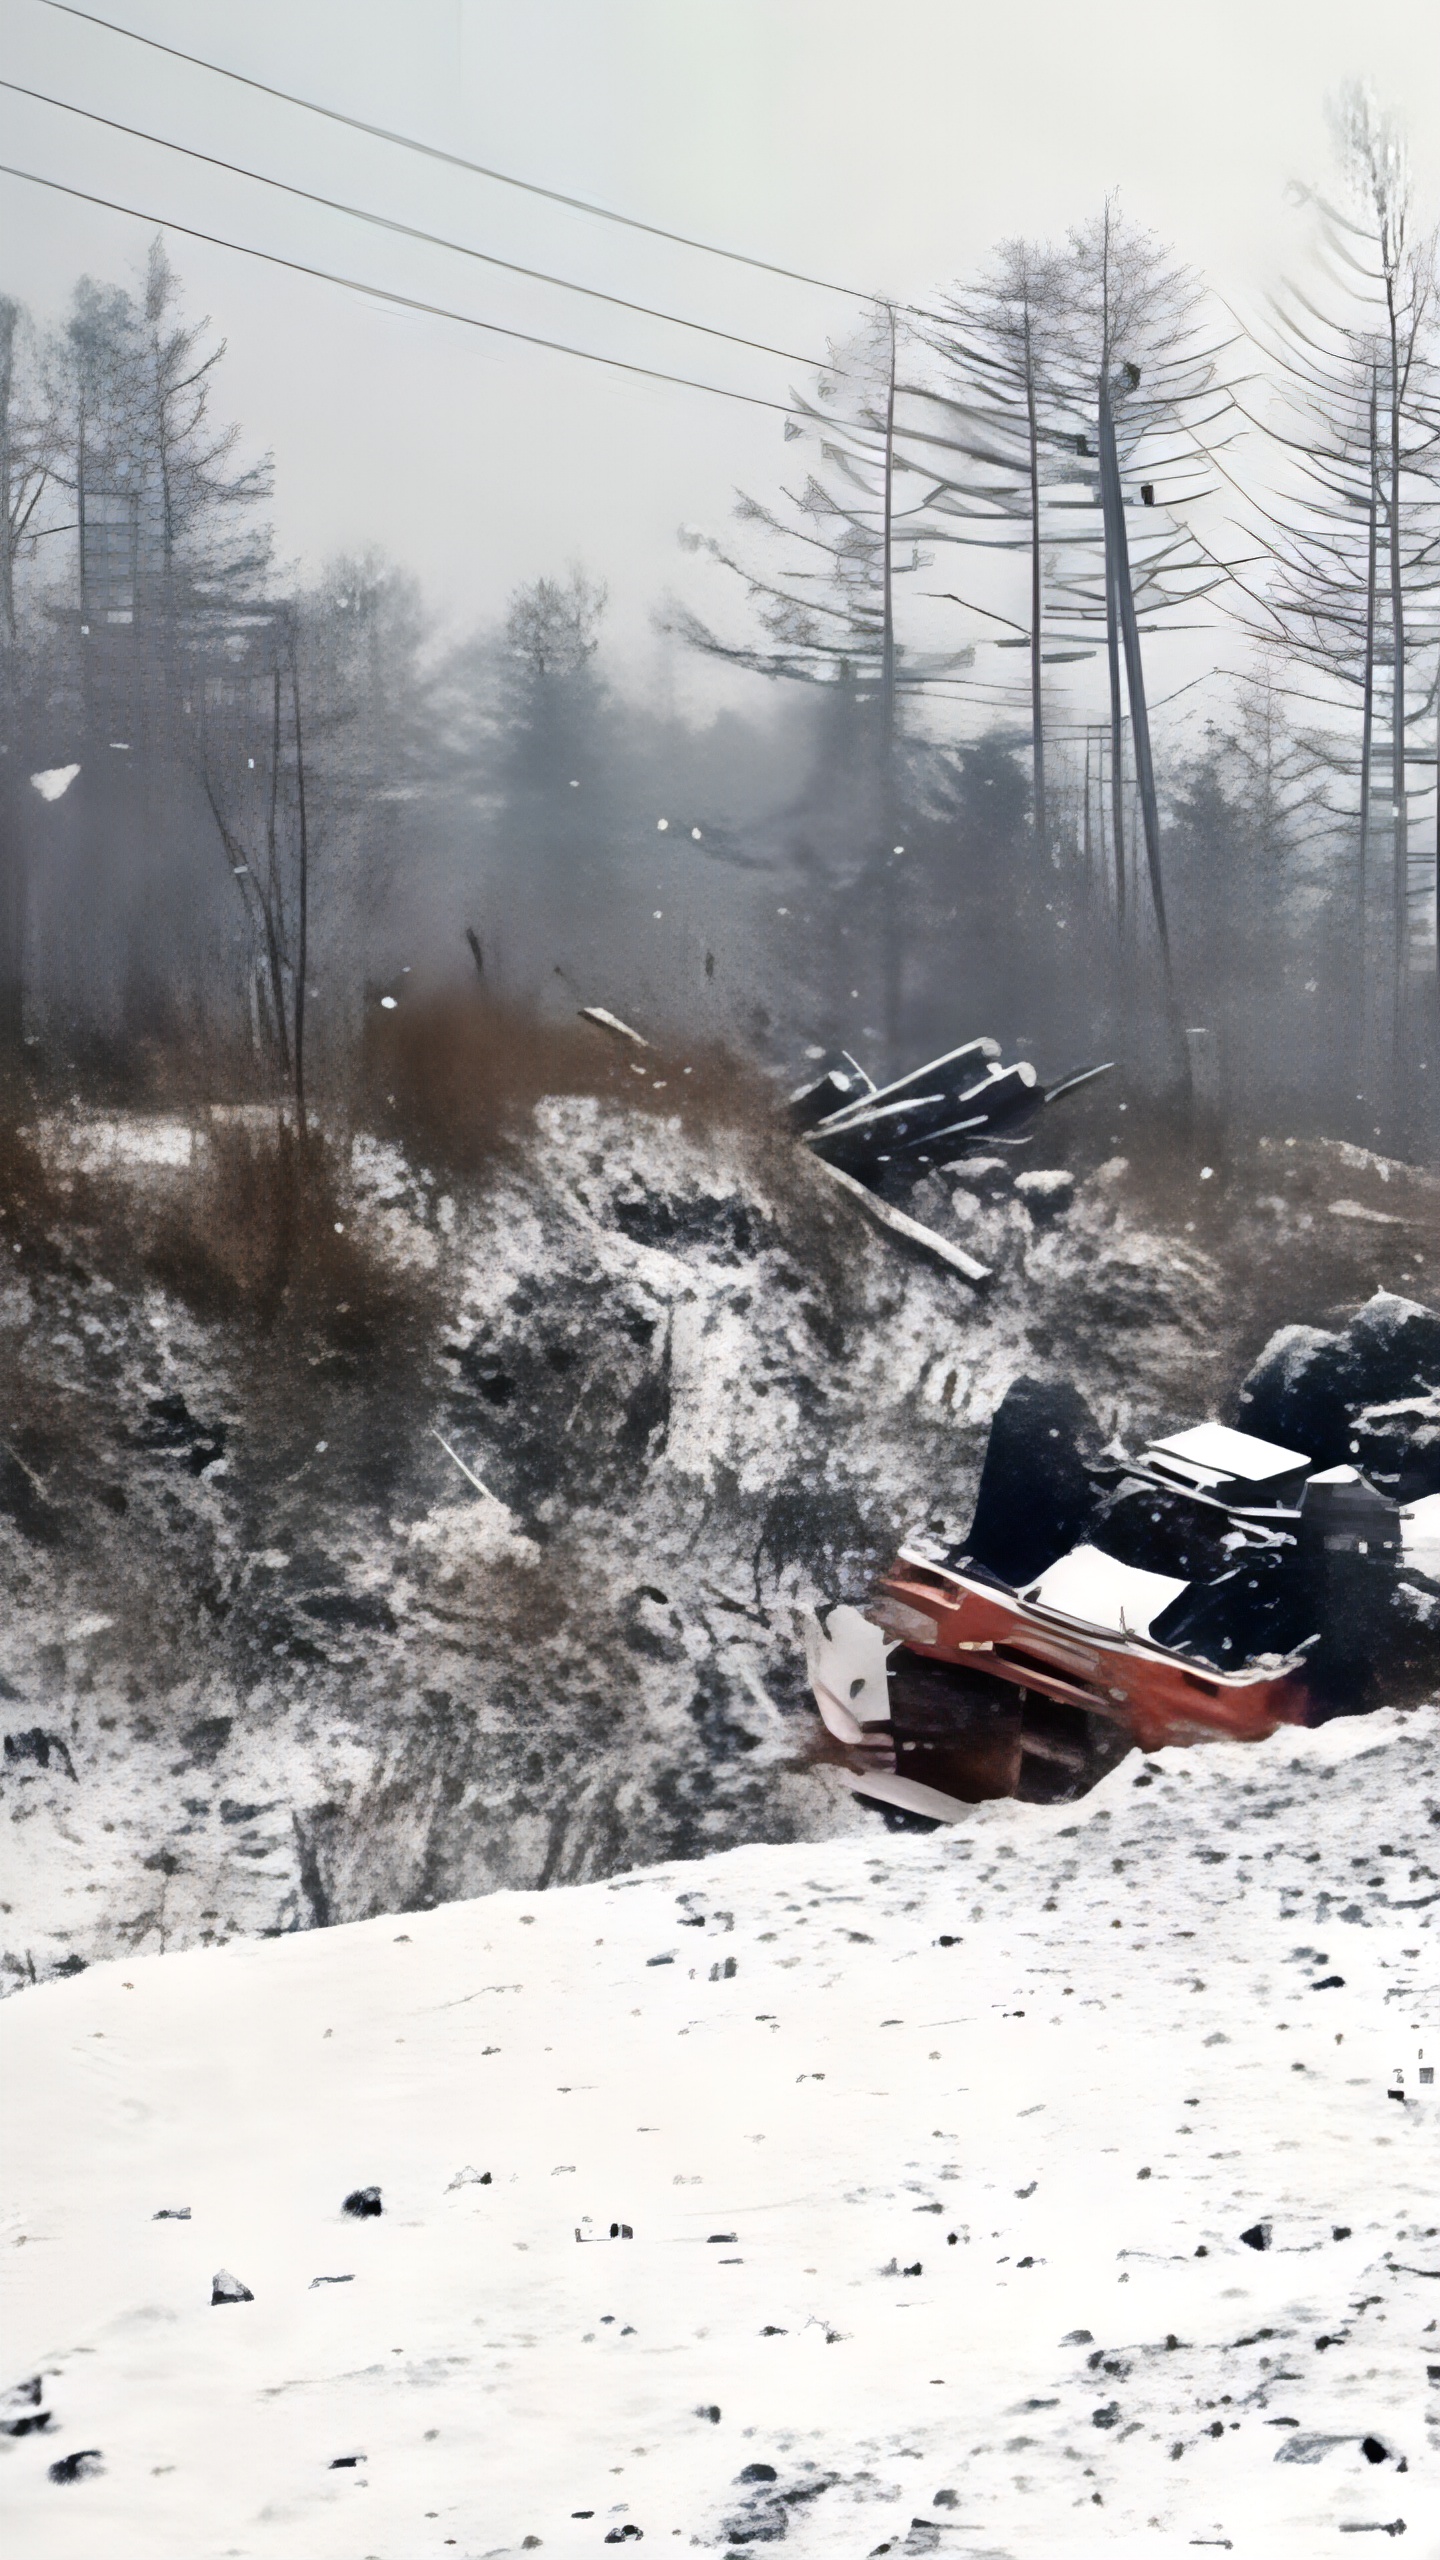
(1059, 2183)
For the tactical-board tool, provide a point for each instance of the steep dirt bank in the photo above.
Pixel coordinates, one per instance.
(268, 1660)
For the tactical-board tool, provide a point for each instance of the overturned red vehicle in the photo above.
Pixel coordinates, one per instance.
(1217, 1586)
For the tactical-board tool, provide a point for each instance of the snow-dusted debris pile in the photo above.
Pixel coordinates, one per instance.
(268, 1659)
(1063, 2182)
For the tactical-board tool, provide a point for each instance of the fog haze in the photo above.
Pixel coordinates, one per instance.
(887, 154)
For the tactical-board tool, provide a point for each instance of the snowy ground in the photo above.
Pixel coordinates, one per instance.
(942, 2082)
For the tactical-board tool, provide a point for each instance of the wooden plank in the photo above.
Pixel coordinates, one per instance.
(952, 1255)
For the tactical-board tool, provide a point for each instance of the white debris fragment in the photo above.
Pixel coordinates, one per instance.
(55, 781)
(845, 1656)
(1089, 1585)
(910, 1228)
(607, 1021)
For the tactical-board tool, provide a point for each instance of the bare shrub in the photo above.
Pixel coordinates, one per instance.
(457, 1077)
(264, 1228)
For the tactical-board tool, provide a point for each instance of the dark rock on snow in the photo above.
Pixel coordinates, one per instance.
(77, 2466)
(39, 1746)
(20, 2410)
(1309, 1389)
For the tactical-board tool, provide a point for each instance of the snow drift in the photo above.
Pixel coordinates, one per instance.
(1061, 2182)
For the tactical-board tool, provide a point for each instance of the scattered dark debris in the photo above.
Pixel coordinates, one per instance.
(21, 2410)
(227, 2288)
(769, 2509)
(24, 1498)
(39, 1746)
(77, 2466)
(205, 1739)
(170, 1428)
(368, 1609)
(362, 2203)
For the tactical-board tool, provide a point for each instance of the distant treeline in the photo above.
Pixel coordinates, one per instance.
(239, 812)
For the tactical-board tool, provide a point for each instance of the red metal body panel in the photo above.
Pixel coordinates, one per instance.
(1154, 1693)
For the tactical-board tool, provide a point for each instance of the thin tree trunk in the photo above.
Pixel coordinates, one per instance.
(1087, 839)
(250, 887)
(891, 926)
(303, 903)
(1367, 726)
(1117, 780)
(1397, 742)
(9, 315)
(887, 638)
(1112, 625)
(1037, 723)
(1360, 972)
(273, 907)
(1117, 544)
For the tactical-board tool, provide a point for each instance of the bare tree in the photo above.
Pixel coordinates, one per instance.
(1078, 383)
(1353, 530)
(1143, 366)
(209, 543)
(1000, 344)
(29, 445)
(820, 568)
(262, 817)
(553, 626)
(1391, 267)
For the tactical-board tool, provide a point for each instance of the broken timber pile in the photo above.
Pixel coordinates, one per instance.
(933, 1116)
(874, 1138)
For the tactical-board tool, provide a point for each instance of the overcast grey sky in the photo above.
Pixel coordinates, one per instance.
(886, 149)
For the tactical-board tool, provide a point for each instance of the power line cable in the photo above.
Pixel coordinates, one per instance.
(407, 230)
(474, 168)
(402, 301)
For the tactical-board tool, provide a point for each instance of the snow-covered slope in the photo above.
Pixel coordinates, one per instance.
(1062, 2183)
(301, 1671)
